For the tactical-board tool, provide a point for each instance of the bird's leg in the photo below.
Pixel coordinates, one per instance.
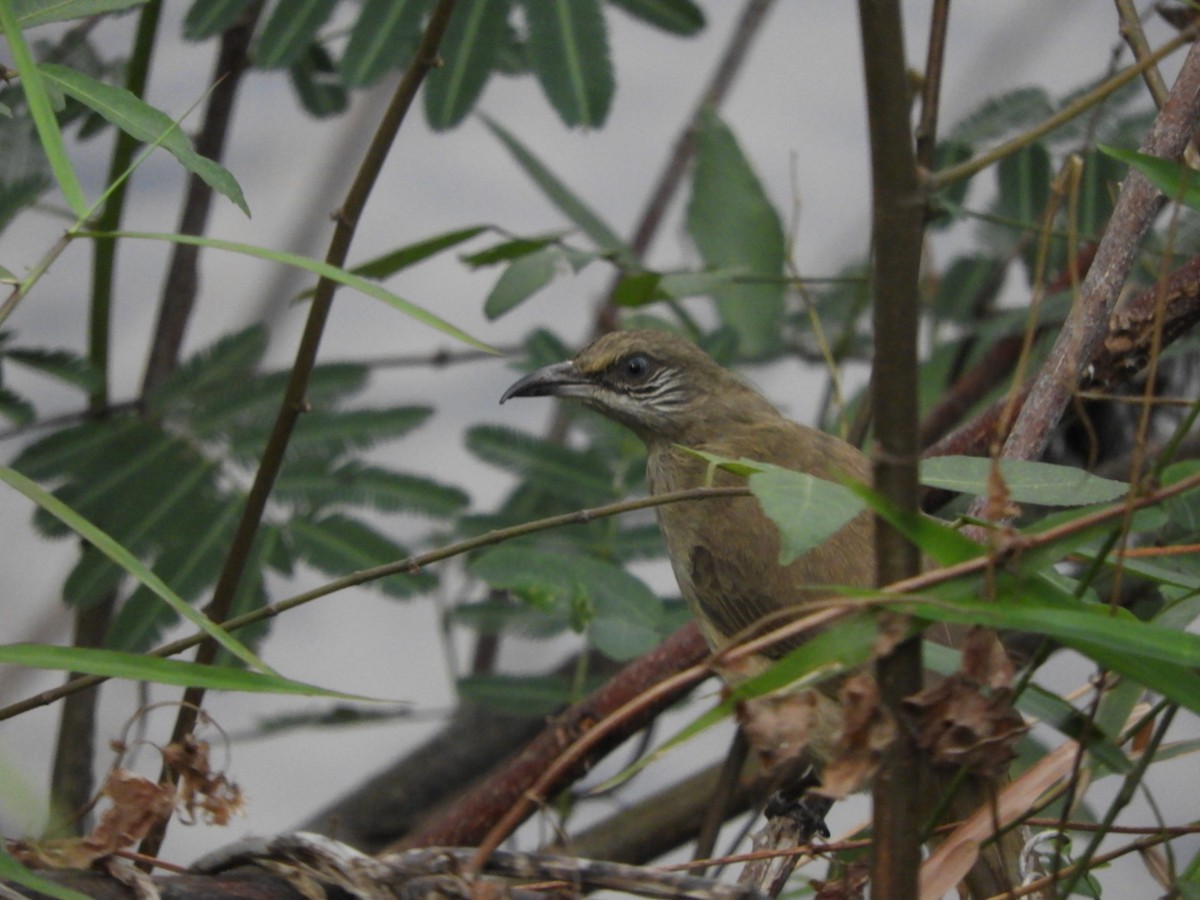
(806, 809)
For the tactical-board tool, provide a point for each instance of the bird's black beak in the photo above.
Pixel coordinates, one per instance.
(559, 380)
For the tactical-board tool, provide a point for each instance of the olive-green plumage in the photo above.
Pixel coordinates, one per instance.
(725, 553)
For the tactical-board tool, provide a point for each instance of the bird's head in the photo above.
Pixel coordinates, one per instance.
(659, 385)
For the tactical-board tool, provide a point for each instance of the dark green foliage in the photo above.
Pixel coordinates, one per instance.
(469, 48)
(168, 486)
(383, 38)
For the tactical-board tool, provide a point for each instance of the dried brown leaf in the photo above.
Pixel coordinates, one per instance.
(867, 731)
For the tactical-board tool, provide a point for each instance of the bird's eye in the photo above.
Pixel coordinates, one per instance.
(635, 367)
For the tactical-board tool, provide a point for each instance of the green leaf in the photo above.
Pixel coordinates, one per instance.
(1040, 483)
(1160, 658)
(318, 83)
(333, 432)
(588, 221)
(11, 870)
(38, 12)
(317, 486)
(42, 112)
(514, 248)
(142, 121)
(568, 49)
(473, 38)
(289, 30)
(1184, 509)
(1101, 176)
(384, 36)
(1023, 191)
(733, 224)
(122, 557)
(338, 545)
(191, 565)
(521, 280)
(397, 260)
(1000, 116)
(575, 476)
(1174, 179)
(177, 672)
(969, 284)
(60, 364)
(208, 18)
(806, 509)
(676, 16)
(524, 695)
(16, 408)
(624, 616)
(341, 276)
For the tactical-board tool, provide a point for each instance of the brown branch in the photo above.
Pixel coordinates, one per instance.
(1086, 325)
(931, 89)
(294, 397)
(898, 214)
(1131, 31)
(469, 821)
(182, 281)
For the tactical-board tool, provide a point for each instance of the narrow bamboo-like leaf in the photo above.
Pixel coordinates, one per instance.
(397, 260)
(42, 112)
(40, 12)
(289, 30)
(733, 223)
(128, 562)
(473, 38)
(1066, 719)
(676, 16)
(561, 196)
(383, 37)
(1174, 179)
(142, 121)
(1159, 658)
(59, 364)
(208, 18)
(1027, 482)
(568, 48)
(11, 870)
(513, 248)
(178, 672)
(521, 280)
(323, 269)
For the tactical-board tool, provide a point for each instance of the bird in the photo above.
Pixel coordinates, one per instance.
(724, 551)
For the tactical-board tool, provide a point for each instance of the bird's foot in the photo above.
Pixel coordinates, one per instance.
(806, 809)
